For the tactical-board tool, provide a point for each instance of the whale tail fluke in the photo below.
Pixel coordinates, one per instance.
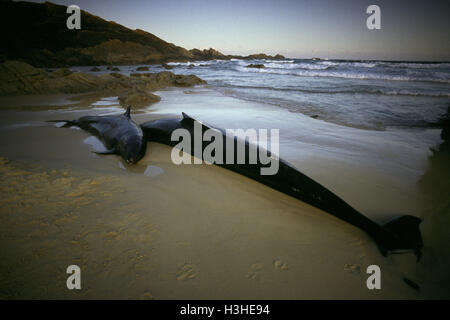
(67, 123)
(404, 235)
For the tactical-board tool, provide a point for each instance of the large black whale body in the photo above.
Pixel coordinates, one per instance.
(119, 134)
(397, 235)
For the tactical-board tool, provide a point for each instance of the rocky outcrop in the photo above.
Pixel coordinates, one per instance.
(257, 66)
(19, 78)
(213, 54)
(164, 79)
(207, 54)
(261, 56)
(138, 98)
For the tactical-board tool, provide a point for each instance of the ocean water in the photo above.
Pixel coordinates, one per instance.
(363, 94)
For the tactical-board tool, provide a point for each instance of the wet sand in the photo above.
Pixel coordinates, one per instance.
(161, 231)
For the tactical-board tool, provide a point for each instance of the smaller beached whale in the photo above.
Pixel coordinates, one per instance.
(395, 236)
(119, 134)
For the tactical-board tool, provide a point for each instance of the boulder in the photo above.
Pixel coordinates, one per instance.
(61, 73)
(257, 66)
(166, 66)
(138, 98)
(17, 78)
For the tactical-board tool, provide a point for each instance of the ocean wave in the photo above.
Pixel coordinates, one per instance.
(328, 63)
(358, 117)
(360, 64)
(388, 64)
(344, 91)
(195, 63)
(342, 74)
(349, 64)
(414, 65)
(306, 66)
(280, 61)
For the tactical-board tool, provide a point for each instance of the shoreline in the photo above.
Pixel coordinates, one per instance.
(155, 234)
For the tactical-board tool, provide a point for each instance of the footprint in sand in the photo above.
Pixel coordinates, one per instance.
(352, 268)
(255, 271)
(147, 296)
(186, 272)
(360, 247)
(279, 265)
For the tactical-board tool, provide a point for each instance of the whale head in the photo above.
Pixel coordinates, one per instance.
(132, 149)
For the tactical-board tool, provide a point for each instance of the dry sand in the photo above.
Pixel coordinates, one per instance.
(161, 231)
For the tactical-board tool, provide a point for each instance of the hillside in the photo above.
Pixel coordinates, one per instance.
(36, 33)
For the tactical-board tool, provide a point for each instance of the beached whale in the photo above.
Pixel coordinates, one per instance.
(397, 235)
(119, 134)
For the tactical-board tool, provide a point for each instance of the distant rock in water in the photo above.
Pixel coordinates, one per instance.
(95, 69)
(115, 69)
(19, 78)
(142, 69)
(261, 56)
(166, 66)
(257, 66)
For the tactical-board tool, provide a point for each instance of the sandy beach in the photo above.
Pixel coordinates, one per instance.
(160, 231)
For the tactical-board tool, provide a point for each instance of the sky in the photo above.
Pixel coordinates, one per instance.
(410, 30)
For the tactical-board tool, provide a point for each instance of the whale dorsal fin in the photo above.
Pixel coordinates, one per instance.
(186, 117)
(128, 112)
(189, 119)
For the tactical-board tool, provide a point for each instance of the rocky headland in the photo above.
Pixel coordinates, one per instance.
(20, 78)
(36, 33)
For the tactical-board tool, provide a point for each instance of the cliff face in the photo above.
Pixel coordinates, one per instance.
(37, 34)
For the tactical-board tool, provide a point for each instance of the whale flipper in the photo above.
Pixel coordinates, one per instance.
(67, 124)
(112, 151)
